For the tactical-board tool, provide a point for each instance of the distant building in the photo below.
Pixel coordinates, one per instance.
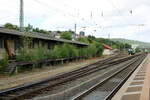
(107, 50)
(82, 33)
(55, 35)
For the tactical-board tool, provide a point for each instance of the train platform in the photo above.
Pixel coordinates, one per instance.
(137, 87)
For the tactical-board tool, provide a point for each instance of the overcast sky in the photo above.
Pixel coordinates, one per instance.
(96, 17)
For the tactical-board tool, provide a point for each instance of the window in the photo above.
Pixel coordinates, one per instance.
(1, 43)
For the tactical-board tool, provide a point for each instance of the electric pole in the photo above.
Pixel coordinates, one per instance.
(75, 28)
(21, 16)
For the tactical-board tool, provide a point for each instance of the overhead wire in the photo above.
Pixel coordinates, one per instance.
(130, 11)
(49, 7)
(76, 17)
(118, 10)
(83, 19)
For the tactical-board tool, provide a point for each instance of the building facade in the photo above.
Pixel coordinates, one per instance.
(107, 50)
(11, 41)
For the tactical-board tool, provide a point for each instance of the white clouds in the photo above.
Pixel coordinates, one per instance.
(63, 14)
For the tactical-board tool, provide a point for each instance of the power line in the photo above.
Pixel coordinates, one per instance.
(56, 9)
(69, 14)
(62, 11)
(117, 10)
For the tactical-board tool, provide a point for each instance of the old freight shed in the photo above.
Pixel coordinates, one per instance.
(107, 50)
(10, 41)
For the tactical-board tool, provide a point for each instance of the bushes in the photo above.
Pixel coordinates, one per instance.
(94, 49)
(83, 39)
(64, 51)
(99, 48)
(72, 50)
(91, 50)
(35, 54)
(67, 50)
(59, 51)
(55, 53)
(3, 62)
(83, 52)
(66, 35)
(23, 55)
(39, 53)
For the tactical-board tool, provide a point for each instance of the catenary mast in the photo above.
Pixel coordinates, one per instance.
(21, 16)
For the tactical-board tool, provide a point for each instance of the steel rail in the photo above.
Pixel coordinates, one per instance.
(116, 89)
(81, 95)
(5, 92)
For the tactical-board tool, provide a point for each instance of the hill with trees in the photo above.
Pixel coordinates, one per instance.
(132, 42)
(114, 44)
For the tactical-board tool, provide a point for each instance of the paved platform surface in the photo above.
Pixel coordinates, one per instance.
(137, 87)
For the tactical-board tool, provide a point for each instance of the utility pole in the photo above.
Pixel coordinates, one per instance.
(75, 28)
(91, 14)
(21, 16)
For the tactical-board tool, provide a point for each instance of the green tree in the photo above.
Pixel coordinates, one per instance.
(99, 48)
(83, 39)
(66, 35)
(92, 50)
(91, 38)
(137, 50)
(41, 31)
(11, 26)
(29, 28)
(36, 30)
(127, 46)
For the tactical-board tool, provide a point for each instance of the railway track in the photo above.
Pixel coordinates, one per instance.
(34, 89)
(107, 88)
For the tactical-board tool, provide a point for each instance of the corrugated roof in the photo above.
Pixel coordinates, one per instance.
(37, 35)
(107, 47)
